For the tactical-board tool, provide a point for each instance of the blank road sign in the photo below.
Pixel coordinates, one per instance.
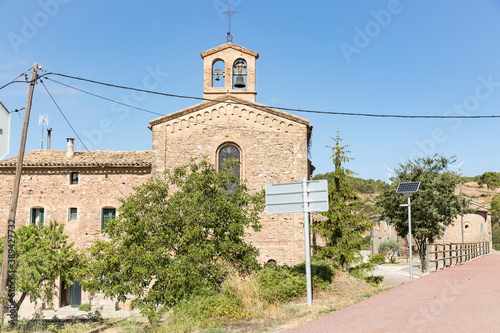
(4, 131)
(289, 197)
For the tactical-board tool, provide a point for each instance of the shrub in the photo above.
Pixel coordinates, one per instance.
(85, 307)
(390, 248)
(361, 272)
(204, 311)
(374, 279)
(496, 247)
(280, 284)
(377, 259)
(365, 243)
(322, 271)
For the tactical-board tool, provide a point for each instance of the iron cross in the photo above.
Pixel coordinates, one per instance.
(229, 13)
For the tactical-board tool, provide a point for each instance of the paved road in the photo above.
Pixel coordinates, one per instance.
(464, 298)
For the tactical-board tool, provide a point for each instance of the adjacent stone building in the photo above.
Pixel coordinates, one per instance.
(78, 189)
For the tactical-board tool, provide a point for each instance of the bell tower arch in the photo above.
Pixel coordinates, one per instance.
(237, 76)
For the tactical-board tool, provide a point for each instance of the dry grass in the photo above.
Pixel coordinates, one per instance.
(345, 290)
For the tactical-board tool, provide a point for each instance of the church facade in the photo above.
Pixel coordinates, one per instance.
(271, 145)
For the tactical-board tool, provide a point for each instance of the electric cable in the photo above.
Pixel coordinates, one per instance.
(278, 107)
(160, 114)
(76, 134)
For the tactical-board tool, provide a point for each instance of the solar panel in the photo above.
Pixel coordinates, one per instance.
(408, 187)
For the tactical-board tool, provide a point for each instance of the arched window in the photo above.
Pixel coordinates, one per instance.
(230, 151)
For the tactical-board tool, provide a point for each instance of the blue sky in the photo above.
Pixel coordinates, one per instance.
(406, 57)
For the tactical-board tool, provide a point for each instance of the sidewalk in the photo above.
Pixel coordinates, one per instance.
(464, 298)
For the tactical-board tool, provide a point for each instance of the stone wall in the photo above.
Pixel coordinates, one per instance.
(51, 189)
(273, 149)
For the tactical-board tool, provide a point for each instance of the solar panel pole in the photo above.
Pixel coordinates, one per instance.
(408, 189)
(410, 247)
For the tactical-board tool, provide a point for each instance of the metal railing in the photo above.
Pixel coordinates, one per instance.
(440, 256)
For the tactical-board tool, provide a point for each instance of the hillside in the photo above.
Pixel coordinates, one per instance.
(369, 189)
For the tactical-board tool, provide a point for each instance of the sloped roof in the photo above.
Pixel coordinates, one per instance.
(227, 46)
(228, 98)
(92, 158)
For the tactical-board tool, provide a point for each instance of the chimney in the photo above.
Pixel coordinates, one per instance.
(71, 145)
(49, 134)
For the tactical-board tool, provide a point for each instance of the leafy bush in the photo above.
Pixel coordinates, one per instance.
(496, 247)
(390, 248)
(204, 311)
(365, 243)
(280, 284)
(85, 307)
(361, 272)
(374, 279)
(377, 259)
(322, 271)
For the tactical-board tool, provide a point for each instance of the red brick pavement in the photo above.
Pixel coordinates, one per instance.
(463, 298)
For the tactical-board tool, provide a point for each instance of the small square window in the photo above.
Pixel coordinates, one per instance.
(73, 180)
(37, 216)
(73, 214)
(107, 214)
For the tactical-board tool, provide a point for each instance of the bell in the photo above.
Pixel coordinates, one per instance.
(239, 82)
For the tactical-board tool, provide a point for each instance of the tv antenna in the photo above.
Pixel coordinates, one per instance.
(390, 173)
(43, 120)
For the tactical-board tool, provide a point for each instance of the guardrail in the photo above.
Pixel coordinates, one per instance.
(440, 256)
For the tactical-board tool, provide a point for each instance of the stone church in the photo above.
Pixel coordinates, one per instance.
(81, 189)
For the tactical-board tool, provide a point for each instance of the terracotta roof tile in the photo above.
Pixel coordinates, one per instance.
(92, 158)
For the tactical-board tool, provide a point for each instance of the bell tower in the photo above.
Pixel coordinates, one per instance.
(229, 69)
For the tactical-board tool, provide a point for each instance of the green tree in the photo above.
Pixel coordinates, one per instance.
(390, 248)
(42, 255)
(495, 209)
(491, 179)
(344, 227)
(433, 205)
(175, 238)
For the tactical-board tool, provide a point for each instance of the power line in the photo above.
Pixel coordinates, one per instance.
(14, 81)
(76, 134)
(278, 107)
(161, 114)
(105, 98)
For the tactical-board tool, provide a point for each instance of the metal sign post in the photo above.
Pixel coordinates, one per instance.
(306, 197)
(4, 131)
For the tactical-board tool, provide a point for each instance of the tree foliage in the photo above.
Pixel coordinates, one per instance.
(390, 249)
(42, 255)
(365, 186)
(495, 209)
(435, 202)
(491, 179)
(175, 238)
(344, 227)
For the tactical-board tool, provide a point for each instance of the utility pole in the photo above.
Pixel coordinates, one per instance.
(8, 250)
